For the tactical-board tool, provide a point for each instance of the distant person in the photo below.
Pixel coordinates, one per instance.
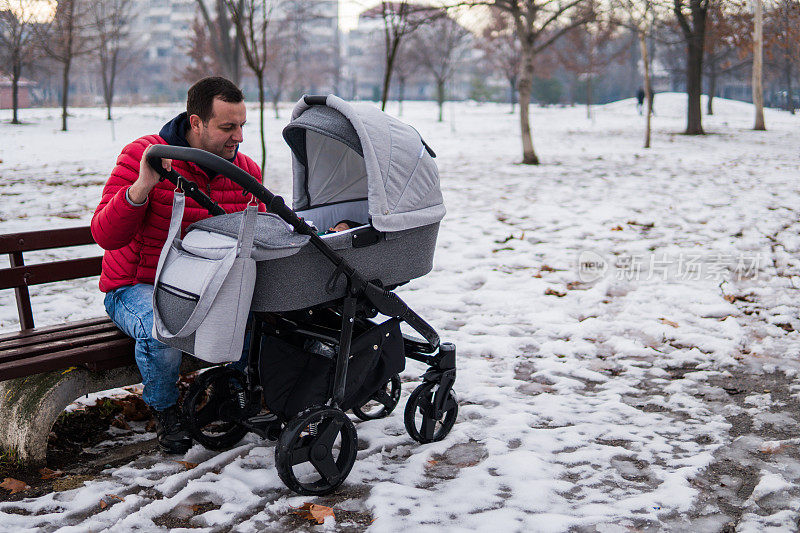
(640, 99)
(131, 224)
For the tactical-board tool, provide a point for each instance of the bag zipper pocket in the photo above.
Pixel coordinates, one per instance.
(178, 292)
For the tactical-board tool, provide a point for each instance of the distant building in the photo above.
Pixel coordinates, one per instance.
(23, 94)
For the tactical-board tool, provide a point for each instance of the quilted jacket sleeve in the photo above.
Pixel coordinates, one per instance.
(116, 220)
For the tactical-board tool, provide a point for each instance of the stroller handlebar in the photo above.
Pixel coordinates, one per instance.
(274, 203)
(208, 160)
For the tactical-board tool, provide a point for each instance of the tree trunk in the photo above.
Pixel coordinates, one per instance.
(440, 98)
(758, 58)
(275, 100)
(65, 93)
(589, 97)
(694, 87)
(648, 89)
(16, 73)
(260, 76)
(512, 82)
(525, 85)
(789, 92)
(694, 31)
(712, 88)
(401, 93)
(391, 53)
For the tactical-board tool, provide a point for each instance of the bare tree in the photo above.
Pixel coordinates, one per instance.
(282, 57)
(203, 61)
(400, 19)
(252, 18)
(692, 16)
(782, 44)
(502, 50)
(723, 27)
(589, 52)
(758, 66)
(17, 43)
(639, 16)
(111, 19)
(538, 24)
(68, 38)
(225, 50)
(439, 47)
(405, 68)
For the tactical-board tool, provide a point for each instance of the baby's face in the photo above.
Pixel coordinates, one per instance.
(341, 226)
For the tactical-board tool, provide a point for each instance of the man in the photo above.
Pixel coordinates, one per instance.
(132, 220)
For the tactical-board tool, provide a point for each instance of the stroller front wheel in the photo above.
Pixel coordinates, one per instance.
(420, 418)
(316, 451)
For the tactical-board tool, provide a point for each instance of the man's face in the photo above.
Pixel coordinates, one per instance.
(222, 133)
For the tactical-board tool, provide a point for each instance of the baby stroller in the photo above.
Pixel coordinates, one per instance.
(314, 349)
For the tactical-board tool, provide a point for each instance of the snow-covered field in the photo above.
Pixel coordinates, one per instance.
(652, 390)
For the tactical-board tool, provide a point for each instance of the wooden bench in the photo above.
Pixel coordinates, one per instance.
(42, 370)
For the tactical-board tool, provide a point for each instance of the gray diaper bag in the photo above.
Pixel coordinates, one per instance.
(202, 294)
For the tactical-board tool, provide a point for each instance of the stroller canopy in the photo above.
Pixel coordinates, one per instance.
(344, 152)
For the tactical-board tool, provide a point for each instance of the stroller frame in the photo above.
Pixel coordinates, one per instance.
(309, 436)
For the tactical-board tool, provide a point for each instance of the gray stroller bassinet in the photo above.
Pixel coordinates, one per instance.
(350, 162)
(315, 295)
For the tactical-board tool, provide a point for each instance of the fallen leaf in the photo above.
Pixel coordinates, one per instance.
(431, 463)
(551, 292)
(730, 298)
(14, 485)
(50, 474)
(187, 465)
(616, 228)
(668, 322)
(120, 423)
(312, 511)
(103, 504)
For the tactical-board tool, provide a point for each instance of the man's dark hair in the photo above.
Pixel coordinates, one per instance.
(200, 99)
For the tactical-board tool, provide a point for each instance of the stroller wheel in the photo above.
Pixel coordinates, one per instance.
(420, 420)
(210, 407)
(316, 451)
(382, 403)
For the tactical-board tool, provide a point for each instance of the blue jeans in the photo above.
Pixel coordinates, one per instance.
(131, 309)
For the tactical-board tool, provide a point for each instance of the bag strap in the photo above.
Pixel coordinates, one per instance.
(247, 231)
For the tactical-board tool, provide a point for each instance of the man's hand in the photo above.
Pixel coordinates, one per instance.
(148, 178)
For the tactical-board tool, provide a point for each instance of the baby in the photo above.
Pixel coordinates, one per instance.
(342, 225)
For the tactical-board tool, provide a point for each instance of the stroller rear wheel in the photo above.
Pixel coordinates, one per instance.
(420, 418)
(382, 403)
(210, 407)
(316, 451)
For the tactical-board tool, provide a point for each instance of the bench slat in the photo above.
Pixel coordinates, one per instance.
(46, 239)
(85, 341)
(49, 272)
(51, 329)
(63, 334)
(119, 349)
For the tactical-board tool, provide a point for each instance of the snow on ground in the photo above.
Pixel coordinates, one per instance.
(652, 389)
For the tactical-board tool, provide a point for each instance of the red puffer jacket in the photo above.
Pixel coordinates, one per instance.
(133, 236)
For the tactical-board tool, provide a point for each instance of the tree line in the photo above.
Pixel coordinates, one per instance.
(272, 43)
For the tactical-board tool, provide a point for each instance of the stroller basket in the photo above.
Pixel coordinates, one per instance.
(314, 349)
